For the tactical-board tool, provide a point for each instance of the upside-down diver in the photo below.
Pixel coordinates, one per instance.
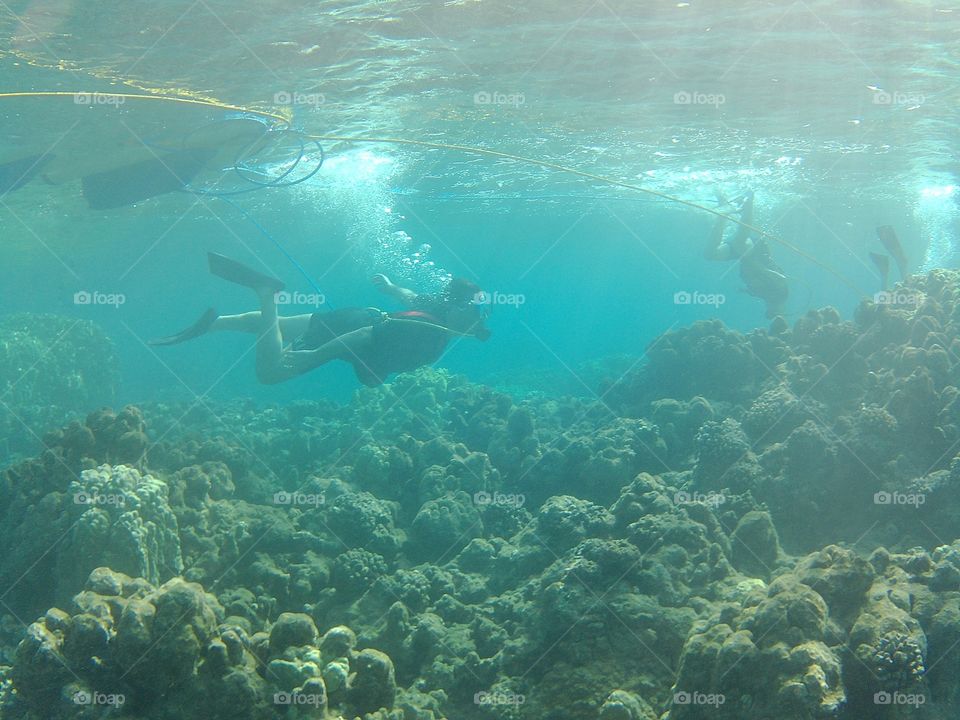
(763, 278)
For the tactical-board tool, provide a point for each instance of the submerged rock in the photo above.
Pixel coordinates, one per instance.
(755, 547)
(121, 519)
(161, 652)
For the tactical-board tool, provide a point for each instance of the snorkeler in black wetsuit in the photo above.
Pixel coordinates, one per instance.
(764, 279)
(374, 342)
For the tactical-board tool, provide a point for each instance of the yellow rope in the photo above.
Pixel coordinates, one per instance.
(136, 96)
(466, 149)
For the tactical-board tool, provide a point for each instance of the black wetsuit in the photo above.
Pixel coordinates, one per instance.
(402, 341)
(763, 277)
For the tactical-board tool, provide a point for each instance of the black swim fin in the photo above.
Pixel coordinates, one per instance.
(882, 264)
(888, 237)
(237, 272)
(200, 327)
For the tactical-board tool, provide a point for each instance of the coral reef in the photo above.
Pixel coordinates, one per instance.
(51, 367)
(171, 651)
(119, 518)
(111, 515)
(745, 526)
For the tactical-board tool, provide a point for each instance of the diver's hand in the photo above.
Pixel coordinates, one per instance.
(297, 361)
(382, 282)
(391, 289)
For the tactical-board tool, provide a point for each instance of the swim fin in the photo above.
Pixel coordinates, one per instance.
(882, 263)
(236, 272)
(892, 244)
(200, 327)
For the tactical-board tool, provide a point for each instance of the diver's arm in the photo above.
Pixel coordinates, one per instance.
(389, 288)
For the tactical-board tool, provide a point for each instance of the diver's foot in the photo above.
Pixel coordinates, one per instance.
(200, 327)
(237, 272)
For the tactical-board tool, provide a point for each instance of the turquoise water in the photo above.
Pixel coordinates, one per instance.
(613, 127)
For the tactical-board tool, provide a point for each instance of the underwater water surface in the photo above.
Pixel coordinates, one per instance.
(423, 360)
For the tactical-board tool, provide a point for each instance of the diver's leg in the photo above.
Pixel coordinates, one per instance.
(291, 327)
(248, 322)
(716, 249)
(351, 346)
(269, 350)
(739, 243)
